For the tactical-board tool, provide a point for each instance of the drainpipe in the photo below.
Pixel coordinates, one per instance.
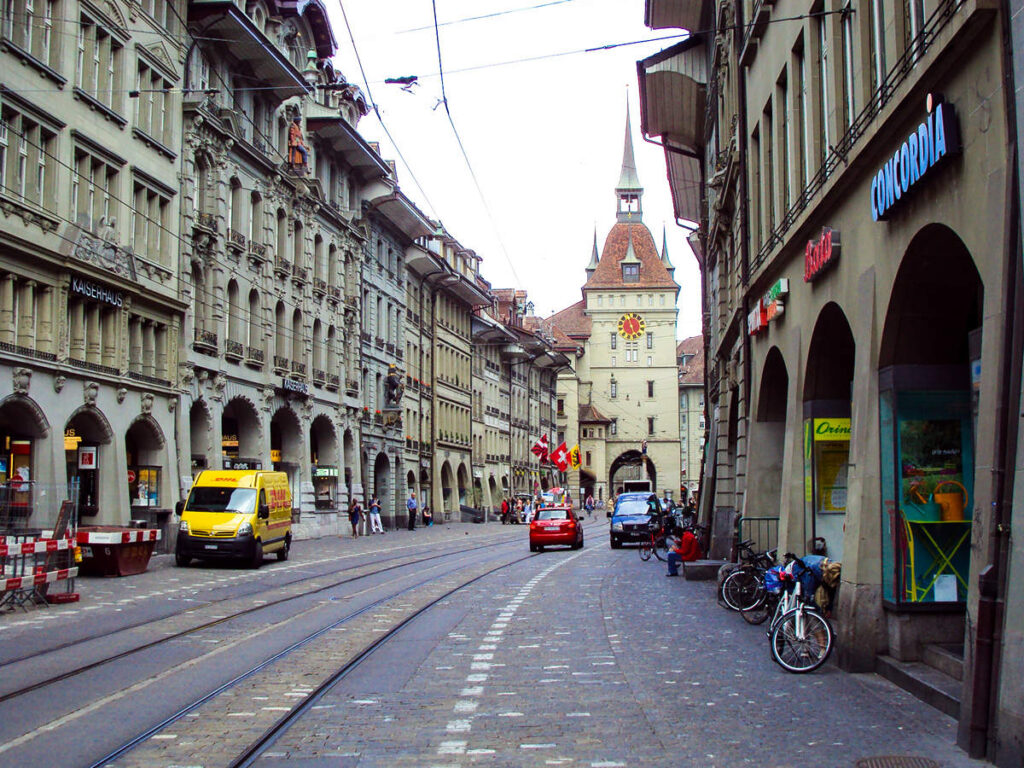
(744, 209)
(992, 580)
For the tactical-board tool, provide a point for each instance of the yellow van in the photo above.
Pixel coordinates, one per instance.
(238, 514)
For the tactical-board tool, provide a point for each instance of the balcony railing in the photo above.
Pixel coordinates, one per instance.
(282, 266)
(319, 285)
(319, 377)
(298, 368)
(299, 274)
(233, 348)
(351, 387)
(281, 363)
(333, 381)
(335, 292)
(205, 341)
(236, 240)
(254, 356)
(206, 221)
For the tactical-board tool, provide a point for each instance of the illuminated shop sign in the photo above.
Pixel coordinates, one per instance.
(291, 385)
(831, 429)
(769, 307)
(96, 292)
(821, 254)
(934, 139)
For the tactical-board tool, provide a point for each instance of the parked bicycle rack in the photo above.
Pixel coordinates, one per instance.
(33, 559)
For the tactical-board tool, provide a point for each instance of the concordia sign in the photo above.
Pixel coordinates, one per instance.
(921, 151)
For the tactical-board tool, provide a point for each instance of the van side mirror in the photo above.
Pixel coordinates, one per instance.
(179, 508)
(264, 512)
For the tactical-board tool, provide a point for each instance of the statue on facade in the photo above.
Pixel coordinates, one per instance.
(394, 387)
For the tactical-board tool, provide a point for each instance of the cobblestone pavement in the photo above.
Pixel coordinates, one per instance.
(594, 658)
(162, 582)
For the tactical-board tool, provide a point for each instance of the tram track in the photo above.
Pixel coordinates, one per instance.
(251, 751)
(403, 562)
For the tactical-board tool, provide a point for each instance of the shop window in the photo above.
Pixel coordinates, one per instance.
(927, 472)
(144, 486)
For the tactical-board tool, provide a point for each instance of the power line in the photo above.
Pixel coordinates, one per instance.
(465, 155)
(486, 16)
(376, 111)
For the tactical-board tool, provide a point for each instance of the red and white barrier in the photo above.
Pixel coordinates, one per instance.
(33, 547)
(37, 579)
(130, 536)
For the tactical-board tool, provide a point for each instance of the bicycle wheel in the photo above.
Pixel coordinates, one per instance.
(645, 550)
(743, 588)
(801, 641)
(661, 549)
(761, 610)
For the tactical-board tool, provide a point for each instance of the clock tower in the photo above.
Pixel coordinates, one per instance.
(624, 383)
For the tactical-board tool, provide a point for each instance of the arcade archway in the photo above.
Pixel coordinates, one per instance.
(631, 465)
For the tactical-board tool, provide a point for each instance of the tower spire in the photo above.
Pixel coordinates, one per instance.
(594, 258)
(664, 251)
(629, 190)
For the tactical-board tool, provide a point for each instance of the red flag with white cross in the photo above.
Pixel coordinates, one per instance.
(560, 457)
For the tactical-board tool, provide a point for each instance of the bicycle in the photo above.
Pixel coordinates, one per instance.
(656, 542)
(801, 638)
(743, 589)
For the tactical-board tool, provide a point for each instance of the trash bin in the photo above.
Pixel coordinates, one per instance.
(112, 550)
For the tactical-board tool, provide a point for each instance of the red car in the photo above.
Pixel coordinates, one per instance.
(555, 525)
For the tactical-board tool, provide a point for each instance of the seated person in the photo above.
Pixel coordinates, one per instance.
(428, 516)
(685, 550)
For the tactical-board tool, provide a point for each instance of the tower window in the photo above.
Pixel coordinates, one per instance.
(631, 273)
(650, 388)
(650, 425)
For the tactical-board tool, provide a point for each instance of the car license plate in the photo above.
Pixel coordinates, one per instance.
(209, 546)
(550, 527)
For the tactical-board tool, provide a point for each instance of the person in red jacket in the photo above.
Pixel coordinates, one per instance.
(685, 550)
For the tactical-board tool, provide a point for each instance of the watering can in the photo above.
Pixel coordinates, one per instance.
(952, 502)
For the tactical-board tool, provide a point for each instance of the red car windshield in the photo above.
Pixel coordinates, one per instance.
(553, 514)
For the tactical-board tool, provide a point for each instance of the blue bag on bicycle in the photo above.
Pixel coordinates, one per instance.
(810, 576)
(772, 582)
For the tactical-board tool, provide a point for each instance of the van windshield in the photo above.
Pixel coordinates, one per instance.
(631, 507)
(213, 499)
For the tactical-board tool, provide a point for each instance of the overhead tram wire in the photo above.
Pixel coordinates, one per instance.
(486, 16)
(462, 148)
(376, 111)
(475, 68)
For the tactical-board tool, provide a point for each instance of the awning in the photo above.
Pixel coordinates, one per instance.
(693, 15)
(401, 212)
(223, 20)
(684, 181)
(342, 138)
(673, 94)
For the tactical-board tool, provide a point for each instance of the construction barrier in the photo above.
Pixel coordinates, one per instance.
(29, 563)
(114, 551)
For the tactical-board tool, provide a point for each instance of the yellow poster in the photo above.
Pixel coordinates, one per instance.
(831, 429)
(831, 463)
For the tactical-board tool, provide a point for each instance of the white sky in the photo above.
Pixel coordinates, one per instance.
(544, 138)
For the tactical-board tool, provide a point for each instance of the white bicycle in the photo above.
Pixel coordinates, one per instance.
(801, 638)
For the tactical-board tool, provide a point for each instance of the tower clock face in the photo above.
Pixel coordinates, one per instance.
(631, 326)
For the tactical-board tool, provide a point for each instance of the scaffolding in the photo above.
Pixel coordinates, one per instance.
(35, 560)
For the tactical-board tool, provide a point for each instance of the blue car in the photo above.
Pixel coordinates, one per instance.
(630, 518)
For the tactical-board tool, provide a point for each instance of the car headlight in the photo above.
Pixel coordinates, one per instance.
(183, 526)
(245, 529)
(616, 526)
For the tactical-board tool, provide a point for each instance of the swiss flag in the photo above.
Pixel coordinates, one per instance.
(560, 457)
(540, 448)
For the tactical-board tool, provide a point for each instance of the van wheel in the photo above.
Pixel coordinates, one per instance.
(181, 560)
(257, 555)
(282, 553)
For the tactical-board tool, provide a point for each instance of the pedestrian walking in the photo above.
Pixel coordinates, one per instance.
(355, 513)
(375, 524)
(504, 511)
(413, 508)
(588, 505)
